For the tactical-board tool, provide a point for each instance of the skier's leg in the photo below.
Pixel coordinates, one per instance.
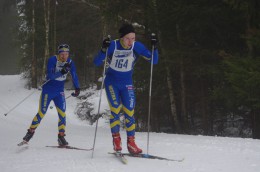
(60, 104)
(115, 107)
(44, 102)
(128, 101)
(43, 107)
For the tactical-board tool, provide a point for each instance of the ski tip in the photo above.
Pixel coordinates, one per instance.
(22, 143)
(119, 155)
(125, 162)
(115, 152)
(180, 160)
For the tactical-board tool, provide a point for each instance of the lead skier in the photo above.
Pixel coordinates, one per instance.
(122, 55)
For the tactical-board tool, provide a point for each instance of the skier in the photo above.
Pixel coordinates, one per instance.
(57, 69)
(122, 54)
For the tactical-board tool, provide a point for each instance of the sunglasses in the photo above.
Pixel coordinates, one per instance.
(64, 46)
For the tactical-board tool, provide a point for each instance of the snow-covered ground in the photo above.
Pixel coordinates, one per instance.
(201, 153)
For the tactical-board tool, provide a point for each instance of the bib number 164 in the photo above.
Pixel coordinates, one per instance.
(121, 63)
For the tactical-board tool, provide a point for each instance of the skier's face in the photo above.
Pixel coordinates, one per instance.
(63, 56)
(128, 40)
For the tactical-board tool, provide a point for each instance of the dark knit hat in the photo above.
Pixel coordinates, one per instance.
(125, 29)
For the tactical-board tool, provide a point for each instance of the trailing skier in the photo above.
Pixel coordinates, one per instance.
(57, 69)
(122, 55)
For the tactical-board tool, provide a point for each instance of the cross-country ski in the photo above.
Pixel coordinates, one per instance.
(148, 156)
(70, 147)
(120, 156)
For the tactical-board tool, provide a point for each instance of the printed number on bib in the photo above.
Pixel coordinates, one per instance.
(121, 63)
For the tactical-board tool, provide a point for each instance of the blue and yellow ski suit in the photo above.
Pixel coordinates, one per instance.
(54, 90)
(119, 83)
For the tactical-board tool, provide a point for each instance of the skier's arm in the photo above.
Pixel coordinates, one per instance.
(74, 75)
(102, 55)
(145, 53)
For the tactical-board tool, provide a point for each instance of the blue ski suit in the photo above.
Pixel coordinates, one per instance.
(119, 83)
(54, 90)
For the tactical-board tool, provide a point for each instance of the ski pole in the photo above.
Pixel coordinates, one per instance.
(39, 88)
(150, 95)
(99, 103)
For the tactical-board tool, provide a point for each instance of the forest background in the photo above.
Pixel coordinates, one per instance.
(208, 77)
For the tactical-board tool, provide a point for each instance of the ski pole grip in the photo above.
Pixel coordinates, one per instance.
(154, 40)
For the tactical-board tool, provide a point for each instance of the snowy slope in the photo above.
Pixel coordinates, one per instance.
(201, 153)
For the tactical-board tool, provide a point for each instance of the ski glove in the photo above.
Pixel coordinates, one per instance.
(154, 40)
(76, 93)
(65, 69)
(105, 44)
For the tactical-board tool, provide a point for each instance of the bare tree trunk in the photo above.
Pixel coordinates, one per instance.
(47, 27)
(204, 107)
(169, 80)
(184, 114)
(251, 12)
(34, 60)
(255, 122)
(172, 100)
(183, 97)
(54, 28)
(252, 23)
(105, 28)
(249, 37)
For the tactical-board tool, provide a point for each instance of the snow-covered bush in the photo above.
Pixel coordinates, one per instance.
(87, 108)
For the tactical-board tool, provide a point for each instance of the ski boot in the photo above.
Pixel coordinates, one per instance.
(117, 142)
(29, 135)
(131, 146)
(61, 140)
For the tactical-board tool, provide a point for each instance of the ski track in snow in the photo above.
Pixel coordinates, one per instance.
(201, 153)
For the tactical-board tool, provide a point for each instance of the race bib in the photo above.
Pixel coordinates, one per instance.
(122, 60)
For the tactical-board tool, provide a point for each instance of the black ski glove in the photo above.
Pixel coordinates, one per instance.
(105, 44)
(76, 93)
(65, 69)
(154, 40)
